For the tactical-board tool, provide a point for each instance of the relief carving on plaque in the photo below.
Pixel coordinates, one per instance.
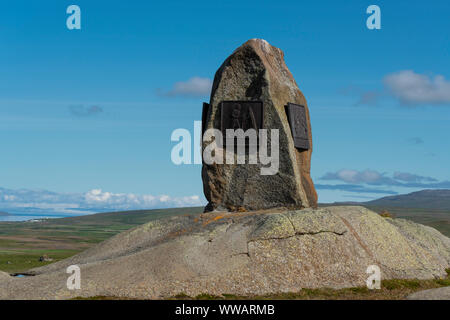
(241, 115)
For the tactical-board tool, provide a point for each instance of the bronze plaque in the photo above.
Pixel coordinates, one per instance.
(299, 126)
(241, 115)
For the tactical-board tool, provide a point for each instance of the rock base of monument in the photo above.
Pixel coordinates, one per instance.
(250, 253)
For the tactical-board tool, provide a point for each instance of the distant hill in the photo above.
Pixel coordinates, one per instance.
(425, 199)
(4, 213)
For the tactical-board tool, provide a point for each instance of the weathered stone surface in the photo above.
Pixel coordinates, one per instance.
(256, 71)
(431, 294)
(4, 276)
(245, 254)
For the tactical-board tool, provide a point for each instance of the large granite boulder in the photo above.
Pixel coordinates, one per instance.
(256, 71)
(248, 253)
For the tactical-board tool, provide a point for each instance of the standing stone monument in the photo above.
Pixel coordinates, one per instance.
(254, 89)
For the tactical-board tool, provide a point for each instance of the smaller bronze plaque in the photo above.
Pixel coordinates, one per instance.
(241, 115)
(299, 126)
(205, 111)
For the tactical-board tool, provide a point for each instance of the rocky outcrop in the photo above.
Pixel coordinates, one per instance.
(245, 254)
(256, 71)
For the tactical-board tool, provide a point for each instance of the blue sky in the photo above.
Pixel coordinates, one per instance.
(93, 109)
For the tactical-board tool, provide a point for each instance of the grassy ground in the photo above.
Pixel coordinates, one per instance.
(390, 290)
(16, 260)
(22, 243)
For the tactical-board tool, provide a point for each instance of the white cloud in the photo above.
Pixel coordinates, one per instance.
(413, 88)
(92, 201)
(354, 176)
(97, 196)
(409, 177)
(195, 86)
(398, 179)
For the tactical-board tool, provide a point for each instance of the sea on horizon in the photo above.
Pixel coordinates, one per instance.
(30, 216)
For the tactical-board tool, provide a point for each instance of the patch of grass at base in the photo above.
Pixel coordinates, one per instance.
(101, 298)
(393, 289)
(401, 284)
(182, 296)
(230, 296)
(205, 296)
(443, 282)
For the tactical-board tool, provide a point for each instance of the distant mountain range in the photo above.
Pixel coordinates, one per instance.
(4, 213)
(425, 199)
